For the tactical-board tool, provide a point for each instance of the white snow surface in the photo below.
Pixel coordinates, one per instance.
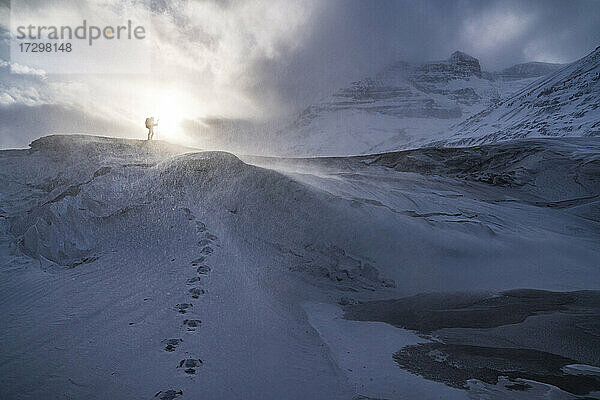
(100, 237)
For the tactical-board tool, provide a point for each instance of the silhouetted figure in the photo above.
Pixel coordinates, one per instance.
(150, 125)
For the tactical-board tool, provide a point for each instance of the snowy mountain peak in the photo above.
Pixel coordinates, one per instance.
(563, 103)
(458, 67)
(402, 104)
(459, 56)
(411, 105)
(466, 61)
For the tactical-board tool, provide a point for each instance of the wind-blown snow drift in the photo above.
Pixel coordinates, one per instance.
(140, 267)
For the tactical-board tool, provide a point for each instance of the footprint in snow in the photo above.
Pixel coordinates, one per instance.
(192, 324)
(196, 292)
(203, 242)
(193, 280)
(190, 216)
(171, 344)
(200, 227)
(206, 250)
(197, 261)
(211, 237)
(168, 394)
(203, 269)
(182, 308)
(190, 365)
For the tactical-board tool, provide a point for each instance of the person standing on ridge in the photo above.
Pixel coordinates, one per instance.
(150, 126)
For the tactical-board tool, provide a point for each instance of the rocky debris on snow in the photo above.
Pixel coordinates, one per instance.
(455, 364)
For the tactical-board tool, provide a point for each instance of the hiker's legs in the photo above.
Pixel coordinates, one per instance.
(150, 133)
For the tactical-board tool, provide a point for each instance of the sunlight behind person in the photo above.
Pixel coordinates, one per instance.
(170, 114)
(170, 108)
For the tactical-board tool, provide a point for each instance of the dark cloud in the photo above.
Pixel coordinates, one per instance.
(351, 39)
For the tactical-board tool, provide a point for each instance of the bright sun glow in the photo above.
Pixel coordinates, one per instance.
(171, 107)
(170, 116)
(168, 107)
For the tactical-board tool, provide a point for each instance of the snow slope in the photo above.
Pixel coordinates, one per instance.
(527, 70)
(123, 263)
(564, 103)
(512, 79)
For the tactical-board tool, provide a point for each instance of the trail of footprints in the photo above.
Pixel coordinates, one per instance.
(190, 365)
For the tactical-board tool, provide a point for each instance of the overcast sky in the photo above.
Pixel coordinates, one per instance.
(263, 59)
(352, 38)
(290, 52)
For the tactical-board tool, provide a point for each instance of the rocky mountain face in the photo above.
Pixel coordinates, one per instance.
(564, 103)
(405, 106)
(459, 65)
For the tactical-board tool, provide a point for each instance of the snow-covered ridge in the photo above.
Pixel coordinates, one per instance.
(564, 103)
(67, 216)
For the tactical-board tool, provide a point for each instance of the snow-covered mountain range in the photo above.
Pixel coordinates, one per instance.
(564, 103)
(402, 104)
(414, 105)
